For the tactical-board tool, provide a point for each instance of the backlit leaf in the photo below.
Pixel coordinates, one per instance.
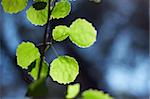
(37, 17)
(61, 9)
(95, 94)
(14, 6)
(60, 33)
(64, 69)
(82, 33)
(26, 54)
(73, 90)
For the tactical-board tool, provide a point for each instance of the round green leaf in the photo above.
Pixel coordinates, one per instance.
(44, 70)
(64, 69)
(82, 33)
(37, 17)
(95, 94)
(61, 9)
(13, 6)
(60, 33)
(73, 90)
(26, 54)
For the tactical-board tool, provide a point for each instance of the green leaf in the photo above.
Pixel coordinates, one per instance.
(61, 9)
(44, 70)
(37, 17)
(26, 54)
(73, 90)
(39, 5)
(60, 33)
(37, 88)
(82, 33)
(14, 6)
(64, 69)
(95, 94)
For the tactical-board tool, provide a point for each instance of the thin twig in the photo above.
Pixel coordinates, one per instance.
(42, 44)
(54, 50)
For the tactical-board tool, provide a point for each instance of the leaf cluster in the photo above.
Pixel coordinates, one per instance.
(64, 69)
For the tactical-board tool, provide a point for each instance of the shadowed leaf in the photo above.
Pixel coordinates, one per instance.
(39, 5)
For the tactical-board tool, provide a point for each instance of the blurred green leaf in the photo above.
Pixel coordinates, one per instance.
(37, 88)
(73, 90)
(13, 6)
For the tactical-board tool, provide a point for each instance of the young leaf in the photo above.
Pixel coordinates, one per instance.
(26, 54)
(13, 6)
(39, 5)
(44, 70)
(37, 17)
(60, 33)
(37, 88)
(61, 9)
(95, 94)
(64, 69)
(82, 33)
(73, 90)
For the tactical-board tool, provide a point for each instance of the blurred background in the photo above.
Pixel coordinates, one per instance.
(118, 63)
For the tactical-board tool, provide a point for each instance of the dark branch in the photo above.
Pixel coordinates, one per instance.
(42, 44)
(46, 35)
